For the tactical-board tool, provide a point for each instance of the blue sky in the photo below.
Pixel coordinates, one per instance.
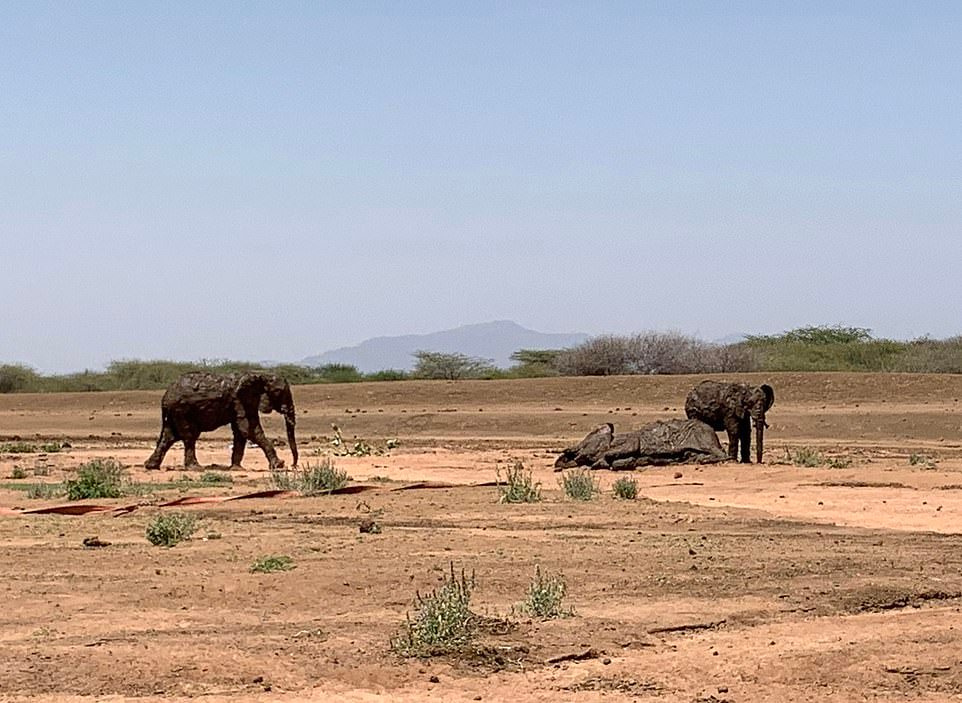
(269, 180)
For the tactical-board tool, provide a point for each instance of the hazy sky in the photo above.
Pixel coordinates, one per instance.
(270, 180)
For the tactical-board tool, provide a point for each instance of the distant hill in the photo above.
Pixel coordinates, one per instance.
(488, 340)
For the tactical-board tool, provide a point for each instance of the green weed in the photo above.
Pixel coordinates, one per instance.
(545, 596)
(518, 486)
(442, 621)
(625, 488)
(579, 484)
(100, 478)
(272, 563)
(169, 529)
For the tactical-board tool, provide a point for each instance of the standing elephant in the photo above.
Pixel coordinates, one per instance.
(200, 401)
(732, 407)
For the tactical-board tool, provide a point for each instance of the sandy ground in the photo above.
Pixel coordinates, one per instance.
(721, 583)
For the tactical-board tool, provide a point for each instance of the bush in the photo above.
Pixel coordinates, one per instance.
(626, 488)
(18, 472)
(17, 448)
(454, 366)
(311, 480)
(168, 530)
(442, 620)
(269, 564)
(519, 487)
(43, 491)
(545, 596)
(100, 478)
(805, 456)
(16, 378)
(921, 460)
(579, 484)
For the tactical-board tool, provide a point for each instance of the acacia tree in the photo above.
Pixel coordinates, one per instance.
(450, 366)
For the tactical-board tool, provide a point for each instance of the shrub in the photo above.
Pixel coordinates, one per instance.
(922, 460)
(626, 488)
(545, 596)
(168, 530)
(51, 447)
(519, 487)
(579, 484)
(18, 472)
(312, 479)
(16, 378)
(269, 564)
(805, 456)
(839, 462)
(100, 478)
(43, 491)
(442, 620)
(17, 448)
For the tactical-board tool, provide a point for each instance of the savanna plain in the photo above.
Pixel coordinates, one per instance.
(833, 571)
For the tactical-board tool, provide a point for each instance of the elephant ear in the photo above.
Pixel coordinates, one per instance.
(769, 394)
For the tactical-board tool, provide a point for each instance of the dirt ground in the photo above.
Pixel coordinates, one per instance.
(736, 583)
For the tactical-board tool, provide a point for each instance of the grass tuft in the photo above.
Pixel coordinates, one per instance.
(167, 530)
(442, 621)
(804, 456)
(43, 491)
(518, 486)
(100, 478)
(923, 460)
(272, 563)
(579, 484)
(312, 480)
(18, 448)
(625, 488)
(545, 596)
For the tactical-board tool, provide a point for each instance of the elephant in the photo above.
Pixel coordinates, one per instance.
(733, 407)
(201, 401)
(658, 443)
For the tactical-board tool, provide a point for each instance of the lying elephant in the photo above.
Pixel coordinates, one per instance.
(200, 401)
(656, 444)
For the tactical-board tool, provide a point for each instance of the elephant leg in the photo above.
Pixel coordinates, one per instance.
(261, 440)
(237, 451)
(745, 440)
(164, 443)
(190, 452)
(732, 427)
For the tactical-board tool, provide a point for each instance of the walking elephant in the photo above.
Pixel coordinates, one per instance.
(200, 401)
(733, 407)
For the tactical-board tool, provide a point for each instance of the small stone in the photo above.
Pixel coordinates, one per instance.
(606, 661)
(434, 679)
(723, 689)
(678, 474)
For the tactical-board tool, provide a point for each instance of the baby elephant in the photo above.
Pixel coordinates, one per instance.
(732, 407)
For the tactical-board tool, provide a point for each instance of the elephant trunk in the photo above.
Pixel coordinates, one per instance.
(759, 439)
(291, 440)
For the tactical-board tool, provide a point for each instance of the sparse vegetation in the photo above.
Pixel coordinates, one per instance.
(18, 472)
(839, 462)
(451, 367)
(272, 563)
(44, 491)
(545, 596)
(442, 621)
(518, 486)
(51, 447)
(625, 488)
(923, 460)
(169, 529)
(804, 456)
(18, 448)
(215, 478)
(100, 478)
(579, 484)
(311, 479)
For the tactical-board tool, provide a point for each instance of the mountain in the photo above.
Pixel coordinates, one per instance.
(488, 340)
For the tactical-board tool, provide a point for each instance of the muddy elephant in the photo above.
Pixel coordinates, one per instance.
(733, 407)
(200, 401)
(655, 444)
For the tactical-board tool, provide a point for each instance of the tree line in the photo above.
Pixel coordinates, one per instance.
(813, 348)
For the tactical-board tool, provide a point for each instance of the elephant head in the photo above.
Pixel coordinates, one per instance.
(762, 398)
(270, 393)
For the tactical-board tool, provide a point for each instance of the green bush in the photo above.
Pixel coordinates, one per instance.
(18, 472)
(626, 488)
(579, 484)
(442, 621)
(44, 491)
(169, 529)
(805, 456)
(274, 562)
(518, 486)
(100, 478)
(18, 448)
(545, 596)
(310, 480)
